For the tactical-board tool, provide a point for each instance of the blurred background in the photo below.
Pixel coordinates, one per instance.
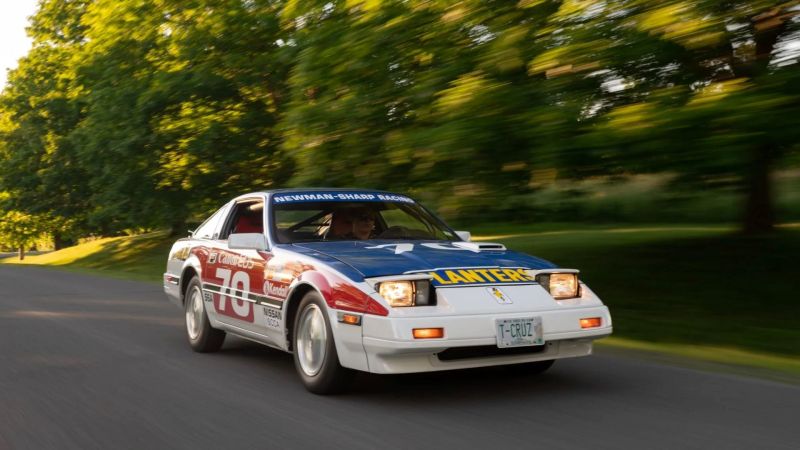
(653, 144)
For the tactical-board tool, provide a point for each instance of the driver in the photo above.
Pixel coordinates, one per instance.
(363, 223)
(355, 223)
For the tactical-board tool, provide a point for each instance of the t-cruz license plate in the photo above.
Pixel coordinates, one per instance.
(519, 332)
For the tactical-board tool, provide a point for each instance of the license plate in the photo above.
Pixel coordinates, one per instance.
(519, 332)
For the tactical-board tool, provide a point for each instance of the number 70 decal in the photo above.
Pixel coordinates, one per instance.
(231, 282)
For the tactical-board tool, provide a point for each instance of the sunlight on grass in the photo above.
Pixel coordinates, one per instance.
(657, 229)
(722, 355)
(141, 257)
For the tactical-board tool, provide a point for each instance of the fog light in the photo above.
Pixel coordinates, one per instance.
(592, 322)
(428, 333)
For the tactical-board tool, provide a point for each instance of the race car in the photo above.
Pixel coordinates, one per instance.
(359, 280)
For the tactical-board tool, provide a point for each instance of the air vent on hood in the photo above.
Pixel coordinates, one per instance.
(480, 246)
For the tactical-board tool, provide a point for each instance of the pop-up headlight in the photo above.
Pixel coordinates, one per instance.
(560, 285)
(403, 293)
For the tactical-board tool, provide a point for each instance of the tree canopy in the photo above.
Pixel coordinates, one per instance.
(133, 114)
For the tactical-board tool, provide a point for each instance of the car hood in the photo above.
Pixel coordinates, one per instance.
(376, 258)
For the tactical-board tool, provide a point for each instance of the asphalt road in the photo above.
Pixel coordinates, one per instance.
(97, 363)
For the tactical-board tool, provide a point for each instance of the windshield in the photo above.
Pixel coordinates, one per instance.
(311, 221)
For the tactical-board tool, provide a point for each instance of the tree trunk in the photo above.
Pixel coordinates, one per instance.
(759, 214)
(60, 242)
(21, 252)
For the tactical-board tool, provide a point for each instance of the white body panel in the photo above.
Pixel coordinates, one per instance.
(468, 316)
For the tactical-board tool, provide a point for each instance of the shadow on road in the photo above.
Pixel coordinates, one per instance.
(567, 377)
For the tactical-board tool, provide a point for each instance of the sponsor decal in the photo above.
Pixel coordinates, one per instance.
(498, 295)
(276, 290)
(208, 296)
(451, 277)
(398, 248)
(181, 254)
(455, 246)
(298, 197)
(285, 272)
(241, 262)
(212, 258)
(234, 285)
(273, 317)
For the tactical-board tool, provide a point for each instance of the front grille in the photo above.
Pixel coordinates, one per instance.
(486, 351)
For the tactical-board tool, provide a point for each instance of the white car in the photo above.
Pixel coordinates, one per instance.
(364, 280)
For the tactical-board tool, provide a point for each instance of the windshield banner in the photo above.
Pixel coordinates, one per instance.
(334, 196)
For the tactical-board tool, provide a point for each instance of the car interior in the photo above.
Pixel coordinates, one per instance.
(247, 217)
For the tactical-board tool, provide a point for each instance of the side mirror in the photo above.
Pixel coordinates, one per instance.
(247, 241)
(465, 236)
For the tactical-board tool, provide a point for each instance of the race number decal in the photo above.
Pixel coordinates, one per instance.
(235, 285)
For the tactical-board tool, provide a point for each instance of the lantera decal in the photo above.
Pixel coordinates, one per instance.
(446, 277)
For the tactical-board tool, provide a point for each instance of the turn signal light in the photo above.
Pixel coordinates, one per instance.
(592, 322)
(351, 319)
(428, 333)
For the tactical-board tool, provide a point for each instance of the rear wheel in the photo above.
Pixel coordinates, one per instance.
(315, 356)
(202, 337)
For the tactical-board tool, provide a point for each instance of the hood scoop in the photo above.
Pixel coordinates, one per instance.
(480, 246)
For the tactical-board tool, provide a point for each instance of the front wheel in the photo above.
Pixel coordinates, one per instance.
(315, 356)
(202, 337)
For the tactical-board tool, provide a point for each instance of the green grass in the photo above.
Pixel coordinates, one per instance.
(142, 257)
(701, 291)
(765, 365)
(696, 285)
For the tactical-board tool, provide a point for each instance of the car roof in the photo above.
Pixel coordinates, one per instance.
(319, 189)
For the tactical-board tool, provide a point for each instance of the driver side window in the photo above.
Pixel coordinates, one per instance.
(247, 216)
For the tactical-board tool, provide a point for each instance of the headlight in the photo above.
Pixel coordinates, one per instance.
(560, 285)
(405, 293)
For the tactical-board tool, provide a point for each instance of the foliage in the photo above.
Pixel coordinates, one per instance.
(142, 113)
(19, 230)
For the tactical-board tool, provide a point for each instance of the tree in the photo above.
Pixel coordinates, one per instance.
(690, 87)
(40, 109)
(19, 230)
(182, 102)
(427, 97)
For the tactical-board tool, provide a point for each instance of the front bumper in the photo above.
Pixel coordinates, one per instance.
(391, 348)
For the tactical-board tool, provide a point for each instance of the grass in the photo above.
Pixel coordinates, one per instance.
(727, 359)
(700, 291)
(142, 257)
(703, 285)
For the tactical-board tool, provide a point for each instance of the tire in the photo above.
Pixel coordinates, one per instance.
(315, 356)
(202, 337)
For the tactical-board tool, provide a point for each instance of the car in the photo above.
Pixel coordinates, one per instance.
(359, 280)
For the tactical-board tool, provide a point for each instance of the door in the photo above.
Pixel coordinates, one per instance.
(234, 277)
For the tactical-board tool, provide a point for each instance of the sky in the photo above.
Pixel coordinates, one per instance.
(14, 42)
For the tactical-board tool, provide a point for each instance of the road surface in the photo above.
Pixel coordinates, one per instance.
(97, 363)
